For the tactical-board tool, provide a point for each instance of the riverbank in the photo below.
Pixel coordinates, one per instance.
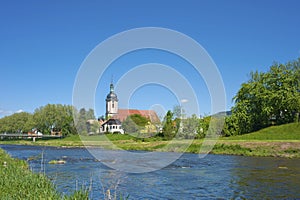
(274, 148)
(276, 141)
(18, 182)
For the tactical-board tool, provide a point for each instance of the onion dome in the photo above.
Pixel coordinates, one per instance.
(112, 95)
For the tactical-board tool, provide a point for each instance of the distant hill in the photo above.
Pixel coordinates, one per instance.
(283, 132)
(223, 113)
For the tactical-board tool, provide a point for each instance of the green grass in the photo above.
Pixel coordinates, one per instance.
(282, 132)
(18, 182)
(232, 149)
(281, 141)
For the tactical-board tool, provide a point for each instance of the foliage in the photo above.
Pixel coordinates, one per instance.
(17, 123)
(176, 122)
(203, 126)
(130, 126)
(169, 128)
(178, 112)
(267, 99)
(230, 126)
(135, 123)
(93, 127)
(83, 127)
(139, 120)
(46, 118)
(54, 116)
(190, 127)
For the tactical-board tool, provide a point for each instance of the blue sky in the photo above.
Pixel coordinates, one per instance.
(43, 44)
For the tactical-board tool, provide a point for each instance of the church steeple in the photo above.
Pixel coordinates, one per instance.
(111, 102)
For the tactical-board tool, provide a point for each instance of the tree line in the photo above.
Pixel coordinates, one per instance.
(46, 118)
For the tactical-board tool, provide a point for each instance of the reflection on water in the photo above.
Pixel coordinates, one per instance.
(215, 176)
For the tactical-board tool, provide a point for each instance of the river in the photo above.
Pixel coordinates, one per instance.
(189, 177)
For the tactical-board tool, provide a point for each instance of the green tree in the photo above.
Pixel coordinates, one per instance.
(139, 120)
(135, 123)
(45, 118)
(81, 122)
(230, 126)
(169, 128)
(67, 125)
(203, 126)
(178, 112)
(130, 126)
(54, 116)
(90, 114)
(190, 127)
(95, 127)
(16, 123)
(268, 98)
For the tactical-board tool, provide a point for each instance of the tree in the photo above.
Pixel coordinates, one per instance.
(90, 114)
(67, 124)
(178, 112)
(169, 128)
(230, 126)
(54, 116)
(82, 125)
(81, 122)
(139, 120)
(16, 123)
(129, 125)
(190, 126)
(135, 123)
(46, 118)
(268, 98)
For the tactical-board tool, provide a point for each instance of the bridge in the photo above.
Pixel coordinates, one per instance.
(27, 136)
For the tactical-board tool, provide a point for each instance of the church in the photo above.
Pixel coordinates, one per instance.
(116, 116)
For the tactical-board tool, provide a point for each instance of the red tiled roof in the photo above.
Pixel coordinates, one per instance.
(124, 113)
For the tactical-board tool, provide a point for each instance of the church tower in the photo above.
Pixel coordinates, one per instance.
(111, 103)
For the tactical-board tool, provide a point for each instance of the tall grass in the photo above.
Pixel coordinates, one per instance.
(18, 182)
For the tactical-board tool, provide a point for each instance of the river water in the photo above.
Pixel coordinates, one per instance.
(212, 177)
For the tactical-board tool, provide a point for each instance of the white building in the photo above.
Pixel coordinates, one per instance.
(112, 126)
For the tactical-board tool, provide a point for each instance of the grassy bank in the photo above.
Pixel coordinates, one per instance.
(18, 182)
(280, 141)
(281, 133)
